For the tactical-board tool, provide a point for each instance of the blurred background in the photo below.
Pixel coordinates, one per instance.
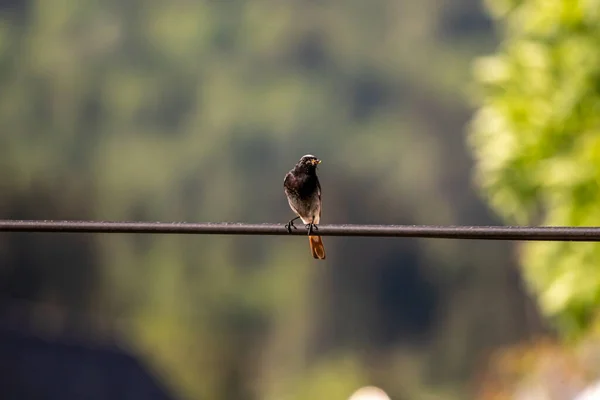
(192, 110)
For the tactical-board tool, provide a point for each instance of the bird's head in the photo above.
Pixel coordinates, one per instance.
(308, 162)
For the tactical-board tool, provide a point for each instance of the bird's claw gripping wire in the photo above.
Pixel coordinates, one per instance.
(291, 225)
(311, 227)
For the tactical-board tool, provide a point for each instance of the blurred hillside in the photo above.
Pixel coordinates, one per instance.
(194, 111)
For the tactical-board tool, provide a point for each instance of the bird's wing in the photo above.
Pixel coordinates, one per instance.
(320, 203)
(319, 188)
(289, 182)
(288, 191)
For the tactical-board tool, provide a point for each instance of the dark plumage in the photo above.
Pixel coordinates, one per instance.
(303, 192)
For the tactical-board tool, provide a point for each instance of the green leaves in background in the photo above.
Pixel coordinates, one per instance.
(536, 138)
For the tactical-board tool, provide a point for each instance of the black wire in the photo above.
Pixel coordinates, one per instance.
(588, 234)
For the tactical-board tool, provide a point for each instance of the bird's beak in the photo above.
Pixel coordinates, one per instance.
(315, 162)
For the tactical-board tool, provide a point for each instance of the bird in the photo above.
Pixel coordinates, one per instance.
(303, 191)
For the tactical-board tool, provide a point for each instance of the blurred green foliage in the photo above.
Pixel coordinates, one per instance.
(194, 111)
(536, 138)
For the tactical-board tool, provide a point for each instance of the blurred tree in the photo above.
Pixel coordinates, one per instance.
(194, 110)
(536, 138)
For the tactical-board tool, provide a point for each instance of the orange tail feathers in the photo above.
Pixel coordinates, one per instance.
(316, 247)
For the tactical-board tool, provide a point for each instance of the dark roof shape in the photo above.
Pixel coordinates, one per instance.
(33, 368)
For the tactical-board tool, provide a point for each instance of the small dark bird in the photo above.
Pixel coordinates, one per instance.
(303, 192)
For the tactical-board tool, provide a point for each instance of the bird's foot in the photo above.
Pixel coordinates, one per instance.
(291, 225)
(311, 227)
